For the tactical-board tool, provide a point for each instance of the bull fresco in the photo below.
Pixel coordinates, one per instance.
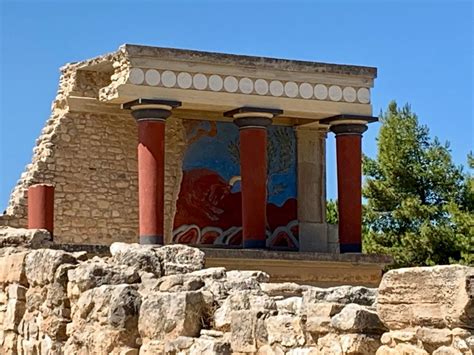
(209, 210)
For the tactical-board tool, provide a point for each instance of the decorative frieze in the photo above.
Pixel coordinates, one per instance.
(248, 86)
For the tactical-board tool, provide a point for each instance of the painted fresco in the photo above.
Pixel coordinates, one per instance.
(209, 207)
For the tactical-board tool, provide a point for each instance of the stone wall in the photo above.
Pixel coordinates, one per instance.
(87, 150)
(161, 300)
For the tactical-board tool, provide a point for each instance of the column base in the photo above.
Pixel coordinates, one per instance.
(350, 248)
(254, 244)
(151, 239)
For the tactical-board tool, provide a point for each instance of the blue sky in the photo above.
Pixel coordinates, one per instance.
(423, 51)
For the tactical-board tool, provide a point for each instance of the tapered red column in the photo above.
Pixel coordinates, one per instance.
(41, 207)
(349, 185)
(151, 116)
(252, 123)
(348, 130)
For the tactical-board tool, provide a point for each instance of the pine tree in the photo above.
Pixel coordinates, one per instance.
(419, 205)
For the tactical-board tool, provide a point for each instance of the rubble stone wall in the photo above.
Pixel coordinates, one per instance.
(89, 155)
(161, 300)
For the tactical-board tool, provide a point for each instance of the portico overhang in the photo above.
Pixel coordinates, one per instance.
(212, 83)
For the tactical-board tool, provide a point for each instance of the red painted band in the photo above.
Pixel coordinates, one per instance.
(253, 170)
(151, 176)
(41, 207)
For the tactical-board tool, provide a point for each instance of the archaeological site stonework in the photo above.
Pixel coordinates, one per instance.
(161, 300)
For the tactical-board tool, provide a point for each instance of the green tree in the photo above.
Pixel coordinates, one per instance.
(419, 205)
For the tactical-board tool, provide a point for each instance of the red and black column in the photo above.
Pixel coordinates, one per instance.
(253, 123)
(151, 117)
(348, 130)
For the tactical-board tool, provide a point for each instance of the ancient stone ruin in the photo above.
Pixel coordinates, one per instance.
(161, 300)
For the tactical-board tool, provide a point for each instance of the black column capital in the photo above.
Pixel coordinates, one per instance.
(151, 109)
(347, 129)
(256, 117)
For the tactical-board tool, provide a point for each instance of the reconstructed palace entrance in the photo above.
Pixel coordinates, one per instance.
(231, 153)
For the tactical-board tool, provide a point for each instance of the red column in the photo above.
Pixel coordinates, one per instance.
(253, 170)
(349, 183)
(151, 180)
(151, 115)
(41, 207)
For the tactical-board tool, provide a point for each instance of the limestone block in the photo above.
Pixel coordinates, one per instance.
(433, 338)
(317, 325)
(387, 350)
(291, 305)
(340, 294)
(140, 257)
(14, 313)
(240, 275)
(244, 329)
(152, 348)
(32, 238)
(178, 344)
(97, 272)
(439, 296)
(447, 350)
(343, 344)
(41, 265)
(358, 319)
(115, 305)
(286, 330)
(242, 300)
(322, 309)
(285, 289)
(180, 259)
(210, 346)
(12, 269)
(168, 315)
(274, 350)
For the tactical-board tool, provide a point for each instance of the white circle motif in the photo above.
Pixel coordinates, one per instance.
(363, 95)
(321, 92)
(246, 85)
(152, 77)
(349, 94)
(216, 83)
(276, 88)
(136, 76)
(306, 90)
(200, 81)
(168, 78)
(261, 87)
(231, 84)
(185, 80)
(291, 89)
(335, 93)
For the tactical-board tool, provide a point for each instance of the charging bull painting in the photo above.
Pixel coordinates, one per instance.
(209, 207)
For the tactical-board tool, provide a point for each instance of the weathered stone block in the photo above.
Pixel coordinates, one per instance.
(140, 257)
(12, 269)
(439, 296)
(13, 314)
(242, 300)
(358, 319)
(286, 330)
(168, 315)
(180, 259)
(244, 328)
(41, 265)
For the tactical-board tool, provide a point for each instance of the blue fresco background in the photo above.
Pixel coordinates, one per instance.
(213, 152)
